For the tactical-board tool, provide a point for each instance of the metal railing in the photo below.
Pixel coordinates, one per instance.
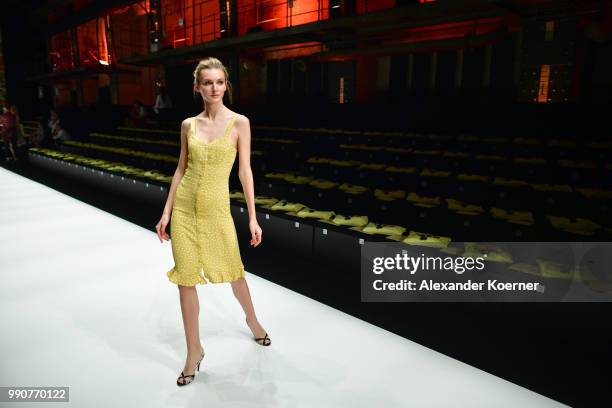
(198, 26)
(202, 22)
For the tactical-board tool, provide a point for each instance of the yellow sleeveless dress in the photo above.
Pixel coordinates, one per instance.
(202, 231)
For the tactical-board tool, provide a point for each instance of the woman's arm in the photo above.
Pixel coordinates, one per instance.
(180, 168)
(245, 174)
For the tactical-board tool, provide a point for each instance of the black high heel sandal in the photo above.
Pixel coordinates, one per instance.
(262, 341)
(188, 379)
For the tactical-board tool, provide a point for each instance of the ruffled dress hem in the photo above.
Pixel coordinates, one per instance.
(174, 277)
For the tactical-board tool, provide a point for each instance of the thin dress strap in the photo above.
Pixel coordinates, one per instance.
(229, 128)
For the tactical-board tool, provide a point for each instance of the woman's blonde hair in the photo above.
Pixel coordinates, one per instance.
(211, 63)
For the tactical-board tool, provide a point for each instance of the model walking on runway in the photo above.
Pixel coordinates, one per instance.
(204, 241)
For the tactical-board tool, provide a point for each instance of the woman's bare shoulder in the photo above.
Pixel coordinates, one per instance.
(186, 123)
(242, 120)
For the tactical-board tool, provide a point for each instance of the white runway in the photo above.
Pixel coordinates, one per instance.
(85, 303)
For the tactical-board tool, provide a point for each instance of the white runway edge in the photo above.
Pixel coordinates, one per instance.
(85, 302)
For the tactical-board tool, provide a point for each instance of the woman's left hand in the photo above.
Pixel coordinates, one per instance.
(255, 233)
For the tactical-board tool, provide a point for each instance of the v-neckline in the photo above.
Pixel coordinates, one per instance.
(195, 133)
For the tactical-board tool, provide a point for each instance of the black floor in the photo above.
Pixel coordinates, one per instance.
(560, 350)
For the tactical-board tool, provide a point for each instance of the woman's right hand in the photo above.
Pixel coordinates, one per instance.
(161, 228)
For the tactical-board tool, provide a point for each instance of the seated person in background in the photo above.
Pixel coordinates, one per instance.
(60, 135)
(53, 121)
(163, 104)
(8, 123)
(20, 135)
(142, 112)
(137, 114)
(37, 137)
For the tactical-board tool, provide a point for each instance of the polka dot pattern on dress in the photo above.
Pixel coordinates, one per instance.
(202, 231)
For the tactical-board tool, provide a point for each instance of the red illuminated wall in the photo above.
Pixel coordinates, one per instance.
(92, 42)
(200, 22)
(189, 22)
(306, 11)
(273, 14)
(129, 29)
(60, 54)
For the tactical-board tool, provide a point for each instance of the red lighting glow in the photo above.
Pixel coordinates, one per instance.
(544, 80)
(267, 21)
(103, 45)
(271, 15)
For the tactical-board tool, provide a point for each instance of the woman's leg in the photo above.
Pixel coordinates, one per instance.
(12, 145)
(241, 291)
(190, 308)
(9, 147)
